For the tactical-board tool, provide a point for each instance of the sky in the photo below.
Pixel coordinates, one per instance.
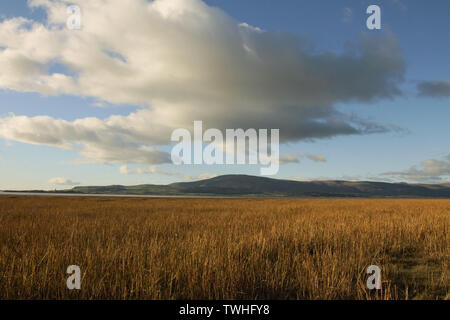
(97, 106)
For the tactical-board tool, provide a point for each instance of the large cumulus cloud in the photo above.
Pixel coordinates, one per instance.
(180, 61)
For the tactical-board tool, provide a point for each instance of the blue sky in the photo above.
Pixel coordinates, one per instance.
(414, 147)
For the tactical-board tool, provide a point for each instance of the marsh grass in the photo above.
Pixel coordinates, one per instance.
(137, 248)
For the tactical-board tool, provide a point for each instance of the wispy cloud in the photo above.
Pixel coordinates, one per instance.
(317, 157)
(429, 171)
(290, 158)
(154, 170)
(147, 170)
(61, 181)
(201, 176)
(295, 157)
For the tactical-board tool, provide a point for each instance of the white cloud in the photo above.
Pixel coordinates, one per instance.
(180, 61)
(61, 181)
(124, 170)
(290, 158)
(345, 177)
(201, 176)
(101, 140)
(429, 171)
(295, 157)
(147, 170)
(317, 157)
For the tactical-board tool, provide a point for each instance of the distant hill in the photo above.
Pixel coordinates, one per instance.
(243, 185)
(251, 185)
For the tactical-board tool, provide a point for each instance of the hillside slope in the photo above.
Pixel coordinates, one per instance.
(243, 185)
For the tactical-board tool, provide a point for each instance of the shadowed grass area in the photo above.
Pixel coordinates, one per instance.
(133, 248)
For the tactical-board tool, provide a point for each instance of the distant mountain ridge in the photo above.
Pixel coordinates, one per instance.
(244, 185)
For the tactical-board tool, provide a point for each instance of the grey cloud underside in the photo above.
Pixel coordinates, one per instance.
(93, 138)
(437, 89)
(182, 61)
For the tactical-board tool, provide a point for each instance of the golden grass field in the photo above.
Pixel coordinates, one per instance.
(142, 248)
